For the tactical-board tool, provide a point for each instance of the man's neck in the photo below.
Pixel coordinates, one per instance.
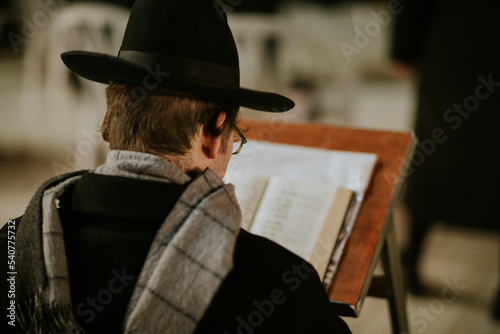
(184, 163)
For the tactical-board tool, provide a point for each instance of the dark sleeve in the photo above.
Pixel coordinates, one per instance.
(270, 290)
(410, 30)
(7, 261)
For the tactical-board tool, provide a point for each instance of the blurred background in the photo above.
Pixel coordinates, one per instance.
(332, 57)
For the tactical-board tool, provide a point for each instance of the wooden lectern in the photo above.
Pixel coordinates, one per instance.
(373, 236)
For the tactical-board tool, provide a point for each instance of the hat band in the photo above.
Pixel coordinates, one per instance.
(186, 69)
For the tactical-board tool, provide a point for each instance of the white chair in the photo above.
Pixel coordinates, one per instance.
(255, 36)
(308, 65)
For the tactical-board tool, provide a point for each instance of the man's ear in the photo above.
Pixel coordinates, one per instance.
(211, 144)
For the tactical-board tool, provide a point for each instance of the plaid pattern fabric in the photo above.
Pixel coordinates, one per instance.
(189, 258)
(45, 306)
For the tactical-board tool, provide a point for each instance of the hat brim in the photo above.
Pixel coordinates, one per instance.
(107, 69)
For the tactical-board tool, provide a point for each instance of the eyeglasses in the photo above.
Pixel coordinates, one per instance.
(238, 141)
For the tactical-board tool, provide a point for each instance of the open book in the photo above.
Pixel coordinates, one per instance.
(280, 167)
(303, 216)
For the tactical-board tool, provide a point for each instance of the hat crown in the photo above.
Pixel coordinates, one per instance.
(191, 29)
(182, 45)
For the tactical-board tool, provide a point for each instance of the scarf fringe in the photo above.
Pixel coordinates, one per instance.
(37, 316)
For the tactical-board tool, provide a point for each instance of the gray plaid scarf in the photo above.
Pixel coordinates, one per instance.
(189, 258)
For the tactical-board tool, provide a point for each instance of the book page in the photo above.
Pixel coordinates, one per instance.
(248, 189)
(292, 212)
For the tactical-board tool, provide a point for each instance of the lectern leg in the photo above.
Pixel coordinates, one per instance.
(392, 267)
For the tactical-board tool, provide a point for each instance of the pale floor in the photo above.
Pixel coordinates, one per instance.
(466, 260)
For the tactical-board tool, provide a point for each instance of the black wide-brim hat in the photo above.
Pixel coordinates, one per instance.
(182, 45)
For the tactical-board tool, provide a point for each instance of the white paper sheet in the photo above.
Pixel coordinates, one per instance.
(351, 170)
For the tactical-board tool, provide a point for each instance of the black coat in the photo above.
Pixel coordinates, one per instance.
(455, 48)
(270, 290)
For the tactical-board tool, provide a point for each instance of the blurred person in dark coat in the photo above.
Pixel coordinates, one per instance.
(453, 46)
